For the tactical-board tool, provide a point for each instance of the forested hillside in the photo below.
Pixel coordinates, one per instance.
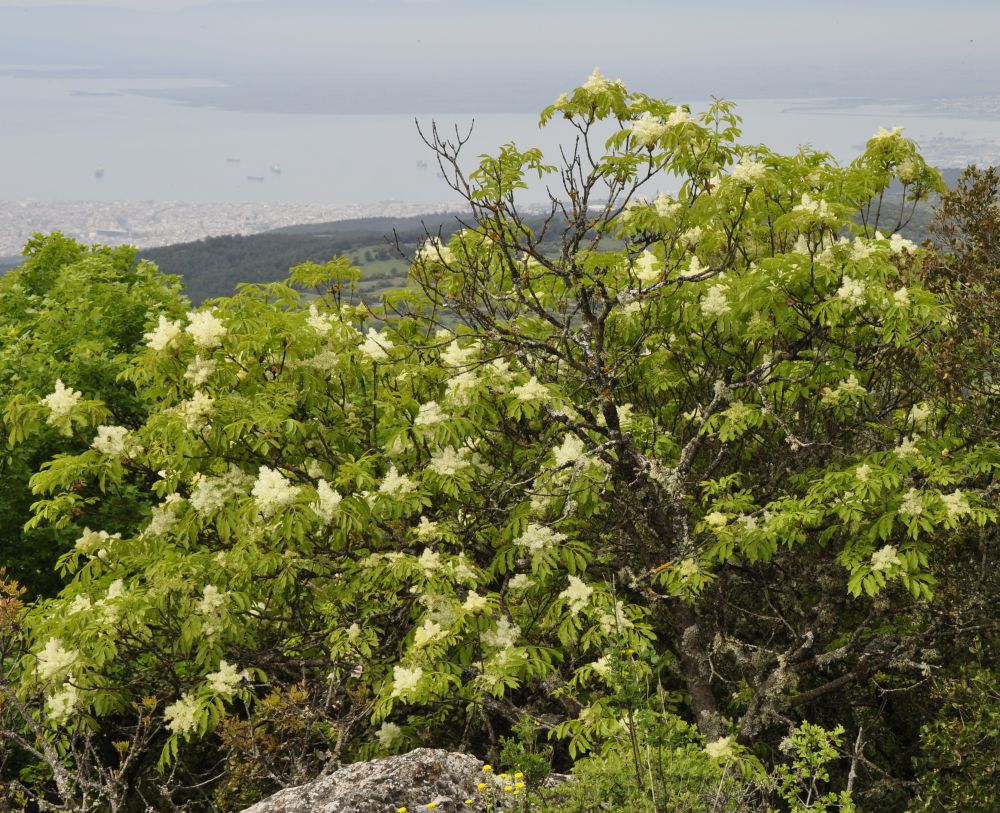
(693, 497)
(382, 248)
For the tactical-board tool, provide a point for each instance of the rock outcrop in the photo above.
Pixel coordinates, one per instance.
(383, 786)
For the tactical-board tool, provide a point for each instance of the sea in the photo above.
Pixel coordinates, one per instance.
(68, 136)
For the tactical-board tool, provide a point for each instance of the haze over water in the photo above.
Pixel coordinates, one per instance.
(312, 102)
(58, 132)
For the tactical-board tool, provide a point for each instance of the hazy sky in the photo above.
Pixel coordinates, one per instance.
(420, 55)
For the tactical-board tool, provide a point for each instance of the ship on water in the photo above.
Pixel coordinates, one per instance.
(99, 173)
(232, 160)
(256, 178)
(276, 169)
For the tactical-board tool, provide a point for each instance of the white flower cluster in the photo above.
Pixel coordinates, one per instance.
(199, 370)
(899, 244)
(457, 356)
(449, 461)
(395, 484)
(647, 130)
(883, 133)
(505, 635)
(678, 117)
(426, 633)
(913, 504)
(211, 601)
(322, 323)
(647, 267)
(388, 735)
(111, 440)
(429, 561)
(531, 390)
(211, 494)
(721, 749)
(324, 361)
(632, 207)
(61, 401)
(906, 170)
(209, 607)
(694, 269)
(820, 208)
(182, 715)
(474, 602)
(688, 569)
(716, 519)
(80, 604)
(956, 504)
(748, 172)
(206, 329)
(570, 452)
(461, 389)
(615, 621)
(537, 538)
(577, 595)
(429, 414)
(715, 302)
(327, 505)
(852, 291)
(595, 82)
(692, 237)
(901, 297)
(861, 249)
(196, 409)
(163, 335)
(919, 415)
(61, 705)
(602, 666)
(404, 680)
(164, 516)
(272, 491)
(375, 346)
(907, 447)
(665, 205)
(55, 660)
(225, 680)
(94, 543)
(885, 558)
(433, 250)
(427, 530)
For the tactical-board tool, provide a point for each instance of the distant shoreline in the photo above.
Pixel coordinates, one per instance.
(154, 224)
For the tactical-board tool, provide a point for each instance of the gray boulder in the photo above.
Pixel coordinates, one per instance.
(384, 785)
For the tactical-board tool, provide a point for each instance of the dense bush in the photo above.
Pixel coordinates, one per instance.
(686, 484)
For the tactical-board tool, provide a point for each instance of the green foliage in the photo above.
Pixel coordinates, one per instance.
(959, 765)
(73, 314)
(664, 477)
(800, 782)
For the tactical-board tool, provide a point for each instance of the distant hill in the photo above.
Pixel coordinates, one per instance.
(380, 247)
(216, 265)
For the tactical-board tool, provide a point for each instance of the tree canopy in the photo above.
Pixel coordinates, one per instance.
(677, 459)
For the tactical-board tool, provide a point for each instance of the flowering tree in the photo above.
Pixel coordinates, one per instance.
(54, 347)
(689, 442)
